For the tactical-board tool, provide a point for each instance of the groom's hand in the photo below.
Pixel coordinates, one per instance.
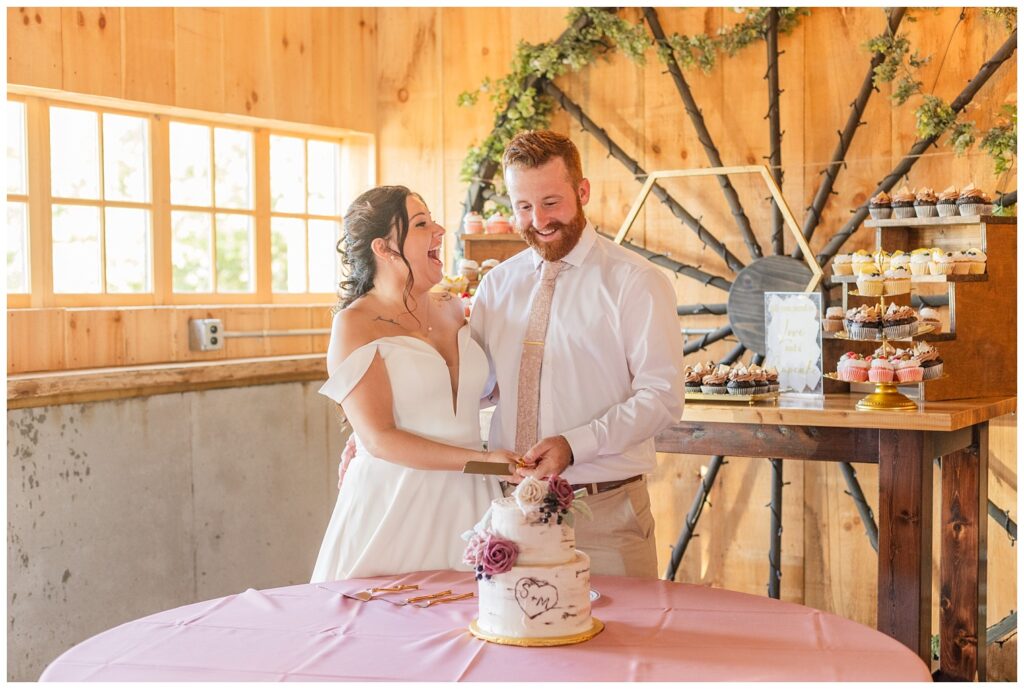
(549, 457)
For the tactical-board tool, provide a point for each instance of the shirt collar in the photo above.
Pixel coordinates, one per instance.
(579, 252)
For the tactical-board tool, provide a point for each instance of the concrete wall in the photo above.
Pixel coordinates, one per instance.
(120, 509)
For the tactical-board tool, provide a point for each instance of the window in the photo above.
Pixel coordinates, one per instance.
(134, 207)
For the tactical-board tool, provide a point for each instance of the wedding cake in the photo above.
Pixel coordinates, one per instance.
(534, 586)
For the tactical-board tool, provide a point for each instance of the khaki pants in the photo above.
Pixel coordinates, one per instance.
(620, 537)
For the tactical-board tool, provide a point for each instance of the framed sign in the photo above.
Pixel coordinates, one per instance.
(793, 340)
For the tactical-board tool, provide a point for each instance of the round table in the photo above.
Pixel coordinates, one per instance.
(655, 630)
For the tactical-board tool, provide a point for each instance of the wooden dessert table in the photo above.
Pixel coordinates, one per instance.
(904, 445)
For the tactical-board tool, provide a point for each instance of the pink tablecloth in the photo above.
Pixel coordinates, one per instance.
(655, 630)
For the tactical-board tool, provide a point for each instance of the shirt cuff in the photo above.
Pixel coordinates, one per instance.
(583, 444)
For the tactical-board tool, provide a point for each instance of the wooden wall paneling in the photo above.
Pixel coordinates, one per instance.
(95, 338)
(290, 45)
(199, 78)
(469, 55)
(35, 340)
(148, 54)
(344, 55)
(320, 317)
(834, 67)
(34, 50)
(91, 50)
(1002, 552)
(182, 315)
(409, 101)
(149, 335)
(673, 486)
(241, 319)
(289, 318)
(248, 85)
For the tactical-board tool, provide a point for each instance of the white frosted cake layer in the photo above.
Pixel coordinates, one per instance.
(539, 543)
(538, 601)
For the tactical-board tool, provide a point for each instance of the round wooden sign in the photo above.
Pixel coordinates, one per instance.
(745, 307)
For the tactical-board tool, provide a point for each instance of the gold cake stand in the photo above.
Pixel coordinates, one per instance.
(886, 396)
(594, 630)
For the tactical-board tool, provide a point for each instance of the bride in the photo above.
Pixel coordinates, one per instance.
(409, 378)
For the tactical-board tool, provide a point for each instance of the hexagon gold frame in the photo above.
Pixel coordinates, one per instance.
(787, 214)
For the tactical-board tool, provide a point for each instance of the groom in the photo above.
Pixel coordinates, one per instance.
(584, 345)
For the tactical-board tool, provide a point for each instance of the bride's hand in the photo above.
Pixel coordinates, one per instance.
(511, 458)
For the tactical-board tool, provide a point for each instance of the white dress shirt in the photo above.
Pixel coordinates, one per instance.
(611, 378)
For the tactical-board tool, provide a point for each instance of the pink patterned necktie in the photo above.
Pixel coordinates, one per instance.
(527, 416)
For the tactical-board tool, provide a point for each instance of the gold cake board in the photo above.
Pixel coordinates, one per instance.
(594, 630)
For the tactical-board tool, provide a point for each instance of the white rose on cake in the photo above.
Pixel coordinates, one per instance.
(530, 494)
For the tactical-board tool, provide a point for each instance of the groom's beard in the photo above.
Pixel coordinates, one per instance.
(568, 237)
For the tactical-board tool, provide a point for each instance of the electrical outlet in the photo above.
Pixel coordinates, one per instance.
(205, 334)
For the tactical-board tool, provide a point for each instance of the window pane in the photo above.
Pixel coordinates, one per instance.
(287, 174)
(16, 168)
(125, 158)
(128, 249)
(74, 153)
(190, 252)
(323, 255)
(233, 158)
(17, 247)
(76, 249)
(324, 162)
(234, 253)
(190, 164)
(288, 255)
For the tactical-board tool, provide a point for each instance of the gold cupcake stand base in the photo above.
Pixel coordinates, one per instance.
(594, 630)
(886, 396)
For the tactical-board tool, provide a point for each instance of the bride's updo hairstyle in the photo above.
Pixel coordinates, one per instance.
(372, 216)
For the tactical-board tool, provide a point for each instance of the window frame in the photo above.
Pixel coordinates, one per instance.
(358, 150)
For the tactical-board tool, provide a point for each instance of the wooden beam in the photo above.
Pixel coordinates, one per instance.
(757, 440)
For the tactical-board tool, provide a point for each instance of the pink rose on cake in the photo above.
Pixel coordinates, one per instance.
(498, 556)
(474, 549)
(562, 491)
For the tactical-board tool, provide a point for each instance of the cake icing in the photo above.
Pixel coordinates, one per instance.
(533, 583)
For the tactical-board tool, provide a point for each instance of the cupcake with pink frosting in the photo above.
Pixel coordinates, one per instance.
(881, 371)
(853, 368)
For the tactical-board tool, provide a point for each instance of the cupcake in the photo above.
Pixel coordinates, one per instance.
(930, 316)
(759, 378)
(864, 323)
(941, 263)
(924, 203)
(978, 259)
(771, 374)
(870, 282)
(473, 223)
(861, 259)
(498, 224)
(898, 259)
(714, 383)
(693, 375)
(881, 371)
(919, 260)
(930, 359)
(833, 322)
(899, 322)
(908, 370)
(456, 284)
(469, 269)
(853, 368)
(740, 381)
(897, 281)
(973, 201)
(880, 206)
(946, 205)
(842, 264)
(903, 203)
(486, 266)
(961, 263)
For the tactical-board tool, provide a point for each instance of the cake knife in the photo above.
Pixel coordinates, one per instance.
(490, 468)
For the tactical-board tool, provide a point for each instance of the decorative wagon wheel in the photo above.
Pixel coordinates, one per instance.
(776, 272)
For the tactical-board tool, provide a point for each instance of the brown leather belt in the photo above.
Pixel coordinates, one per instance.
(595, 488)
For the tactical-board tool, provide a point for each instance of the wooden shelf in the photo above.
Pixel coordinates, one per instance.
(937, 222)
(920, 279)
(503, 237)
(926, 337)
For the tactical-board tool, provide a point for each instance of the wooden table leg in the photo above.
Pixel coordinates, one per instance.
(963, 559)
(904, 539)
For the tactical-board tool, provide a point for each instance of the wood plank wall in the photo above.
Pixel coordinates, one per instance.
(427, 56)
(397, 72)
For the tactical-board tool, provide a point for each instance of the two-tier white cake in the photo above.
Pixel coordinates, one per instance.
(534, 585)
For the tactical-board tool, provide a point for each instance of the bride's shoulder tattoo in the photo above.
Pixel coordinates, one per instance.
(387, 320)
(444, 296)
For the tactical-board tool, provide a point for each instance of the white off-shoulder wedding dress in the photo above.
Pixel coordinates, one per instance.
(391, 518)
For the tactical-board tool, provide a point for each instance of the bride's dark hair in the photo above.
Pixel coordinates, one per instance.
(372, 216)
